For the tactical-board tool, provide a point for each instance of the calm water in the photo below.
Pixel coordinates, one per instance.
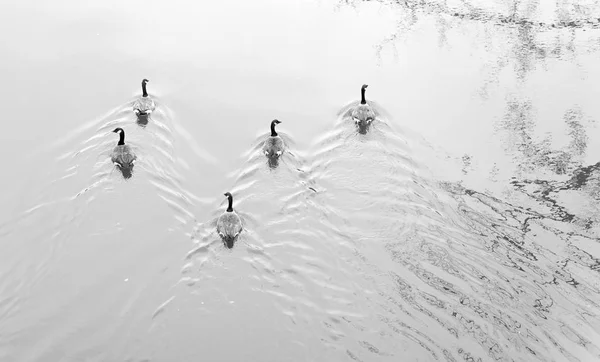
(464, 226)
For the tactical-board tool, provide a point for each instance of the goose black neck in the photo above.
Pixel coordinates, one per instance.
(362, 96)
(230, 207)
(273, 133)
(121, 138)
(144, 93)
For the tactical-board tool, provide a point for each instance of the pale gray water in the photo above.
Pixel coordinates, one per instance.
(463, 226)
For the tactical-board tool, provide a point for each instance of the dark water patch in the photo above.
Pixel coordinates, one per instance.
(582, 185)
(536, 304)
(531, 155)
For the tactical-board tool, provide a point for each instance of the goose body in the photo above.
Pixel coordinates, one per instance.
(273, 146)
(363, 115)
(229, 224)
(363, 112)
(122, 155)
(144, 104)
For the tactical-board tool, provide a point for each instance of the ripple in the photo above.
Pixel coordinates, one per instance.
(155, 147)
(385, 212)
(291, 253)
(83, 180)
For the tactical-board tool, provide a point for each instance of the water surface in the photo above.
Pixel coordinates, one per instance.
(463, 226)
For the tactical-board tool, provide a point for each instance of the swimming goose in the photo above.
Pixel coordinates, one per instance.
(122, 155)
(273, 146)
(229, 224)
(363, 114)
(144, 105)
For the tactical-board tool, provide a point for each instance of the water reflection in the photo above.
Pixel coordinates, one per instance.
(513, 234)
(532, 155)
(273, 162)
(525, 22)
(142, 120)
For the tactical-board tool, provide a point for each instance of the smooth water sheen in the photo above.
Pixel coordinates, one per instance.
(463, 226)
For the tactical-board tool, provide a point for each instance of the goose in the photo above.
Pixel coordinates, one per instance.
(144, 105)
(229, 224)
(273, 146)
(122, 155)
(363, 114)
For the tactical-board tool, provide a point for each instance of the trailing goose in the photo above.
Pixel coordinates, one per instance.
(122, 155)
(229, 224)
